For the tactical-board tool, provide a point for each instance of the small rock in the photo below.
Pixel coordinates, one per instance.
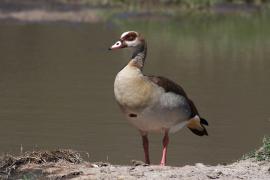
(102, 164)
(94, 165)
(173, 176)
(121, 177)
(239, 177)
(262, 163)
(138, 163)
(215, 175)
(199, 165)
(72, 175)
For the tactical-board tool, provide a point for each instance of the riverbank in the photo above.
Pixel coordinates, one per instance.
(62, 168)
(68, 164)
(98, 11)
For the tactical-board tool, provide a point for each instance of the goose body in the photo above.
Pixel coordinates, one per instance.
(146, 105)
(152, 103)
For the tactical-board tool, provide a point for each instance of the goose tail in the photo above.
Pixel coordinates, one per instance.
(196, 125)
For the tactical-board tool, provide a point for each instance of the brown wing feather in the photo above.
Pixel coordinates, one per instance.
(170, 86)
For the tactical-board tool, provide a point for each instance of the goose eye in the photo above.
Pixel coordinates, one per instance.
(130, 38)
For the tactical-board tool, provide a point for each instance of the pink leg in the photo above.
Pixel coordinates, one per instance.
(164, 151)
(146, 149)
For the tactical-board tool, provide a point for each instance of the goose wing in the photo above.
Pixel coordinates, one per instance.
(170, 86)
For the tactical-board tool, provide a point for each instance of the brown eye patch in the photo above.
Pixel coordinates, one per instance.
(130, 36)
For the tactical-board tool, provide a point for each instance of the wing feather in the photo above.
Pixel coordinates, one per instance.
(170, 86)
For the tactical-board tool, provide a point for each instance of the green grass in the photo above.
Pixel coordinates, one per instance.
(263, 153)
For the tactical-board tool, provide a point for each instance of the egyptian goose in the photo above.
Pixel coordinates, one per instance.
(152, 103)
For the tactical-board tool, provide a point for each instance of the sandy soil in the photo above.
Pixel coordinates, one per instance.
(68, 164)
(240, 170)
(246, 169)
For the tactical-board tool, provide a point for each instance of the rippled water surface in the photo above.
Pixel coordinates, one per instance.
(56, 87)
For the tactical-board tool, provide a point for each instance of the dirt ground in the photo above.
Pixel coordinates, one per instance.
(246, 169)
(68, 164)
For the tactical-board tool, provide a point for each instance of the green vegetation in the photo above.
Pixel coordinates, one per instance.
(263, 153)
(179, 3)
(169, 2)
(176, 8)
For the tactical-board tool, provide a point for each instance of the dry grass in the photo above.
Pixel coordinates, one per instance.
(9, 164)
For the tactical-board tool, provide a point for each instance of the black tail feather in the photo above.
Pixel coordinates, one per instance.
(199, 129)
(200, 133)
(204, 122)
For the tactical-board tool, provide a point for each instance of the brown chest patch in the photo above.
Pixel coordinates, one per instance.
(132, 115)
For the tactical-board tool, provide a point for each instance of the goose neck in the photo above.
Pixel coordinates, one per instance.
(139, 55)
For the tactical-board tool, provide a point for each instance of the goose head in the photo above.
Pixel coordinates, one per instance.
(128, 39)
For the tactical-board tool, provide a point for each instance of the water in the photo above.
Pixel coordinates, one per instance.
(56, 87)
